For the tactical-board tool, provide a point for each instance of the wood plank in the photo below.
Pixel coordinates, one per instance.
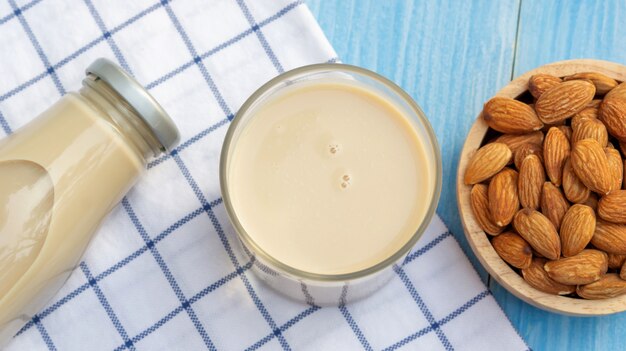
(559, 30)
(549, 331)
(450, 56)
(552, 31)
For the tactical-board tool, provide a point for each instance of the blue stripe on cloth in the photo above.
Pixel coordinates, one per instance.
(346, 313)
(422, 306)
(5, 125)
(204, 292)
(168, 275)
(426, 247)
(79, 52)
(42, 55)
(355, 327)
(197, 59)
(191, 141)
(44, 334)
(23, 86)
(46, 312)
(283, 328)
(111, 32)
(106, 34)
(440, 323)
(105, 304)
(22, 9)
(130, 21)
(260, 36)
(226, 44)
(220, 231)
(307, 295)
(43, 314)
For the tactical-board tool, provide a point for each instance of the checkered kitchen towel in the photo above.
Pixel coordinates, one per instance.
(161, 274)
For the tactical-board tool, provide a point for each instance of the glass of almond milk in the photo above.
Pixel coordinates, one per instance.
(330, 174)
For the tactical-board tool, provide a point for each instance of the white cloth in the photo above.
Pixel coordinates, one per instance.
(159, 275)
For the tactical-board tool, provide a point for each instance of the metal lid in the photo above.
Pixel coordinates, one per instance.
(139, 99)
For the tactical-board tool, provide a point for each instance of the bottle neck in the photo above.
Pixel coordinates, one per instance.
(117, 112)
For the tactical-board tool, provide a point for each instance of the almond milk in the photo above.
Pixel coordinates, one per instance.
(330, 177)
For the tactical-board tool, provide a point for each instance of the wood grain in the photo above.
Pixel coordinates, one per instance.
(478, 239)
(552, 31)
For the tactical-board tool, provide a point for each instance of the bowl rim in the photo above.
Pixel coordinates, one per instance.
(478, 239)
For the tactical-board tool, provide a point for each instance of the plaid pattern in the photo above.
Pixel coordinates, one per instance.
(162, 273)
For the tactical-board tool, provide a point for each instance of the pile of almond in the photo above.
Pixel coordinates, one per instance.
(549, 186)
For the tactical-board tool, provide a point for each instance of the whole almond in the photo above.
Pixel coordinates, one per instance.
(611, 285)
(539, 232)
(553, 204)
(575, 191)
(526, 150)
(537, 277)
(507, 115)
(612, 207)
(616, 167)
(616, 261)
(513, 249)
(610, 237)
(586, 113)
(480, 207)
(486, 162)
(584, 268)
(592, 166)
(503, 198)
(603, 83)
(530, 182)
(564, 100)
(567, 131)
(612, 113)
(619, 92)
(590, 128)
(540, 83)
(592, 201)
(577, 228)
(556, 149)
(515, 141)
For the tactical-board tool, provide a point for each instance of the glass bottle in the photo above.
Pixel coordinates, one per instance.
(61, 174)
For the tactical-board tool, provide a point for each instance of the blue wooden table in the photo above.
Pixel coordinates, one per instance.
(452, 56)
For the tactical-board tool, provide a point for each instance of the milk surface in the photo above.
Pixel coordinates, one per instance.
(330, 178)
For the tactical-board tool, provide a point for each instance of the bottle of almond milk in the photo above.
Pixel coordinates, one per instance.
(61, 174)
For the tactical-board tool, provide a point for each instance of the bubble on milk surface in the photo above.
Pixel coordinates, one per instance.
(346, 181)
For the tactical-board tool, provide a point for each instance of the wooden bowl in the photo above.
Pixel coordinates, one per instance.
(478, 239)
